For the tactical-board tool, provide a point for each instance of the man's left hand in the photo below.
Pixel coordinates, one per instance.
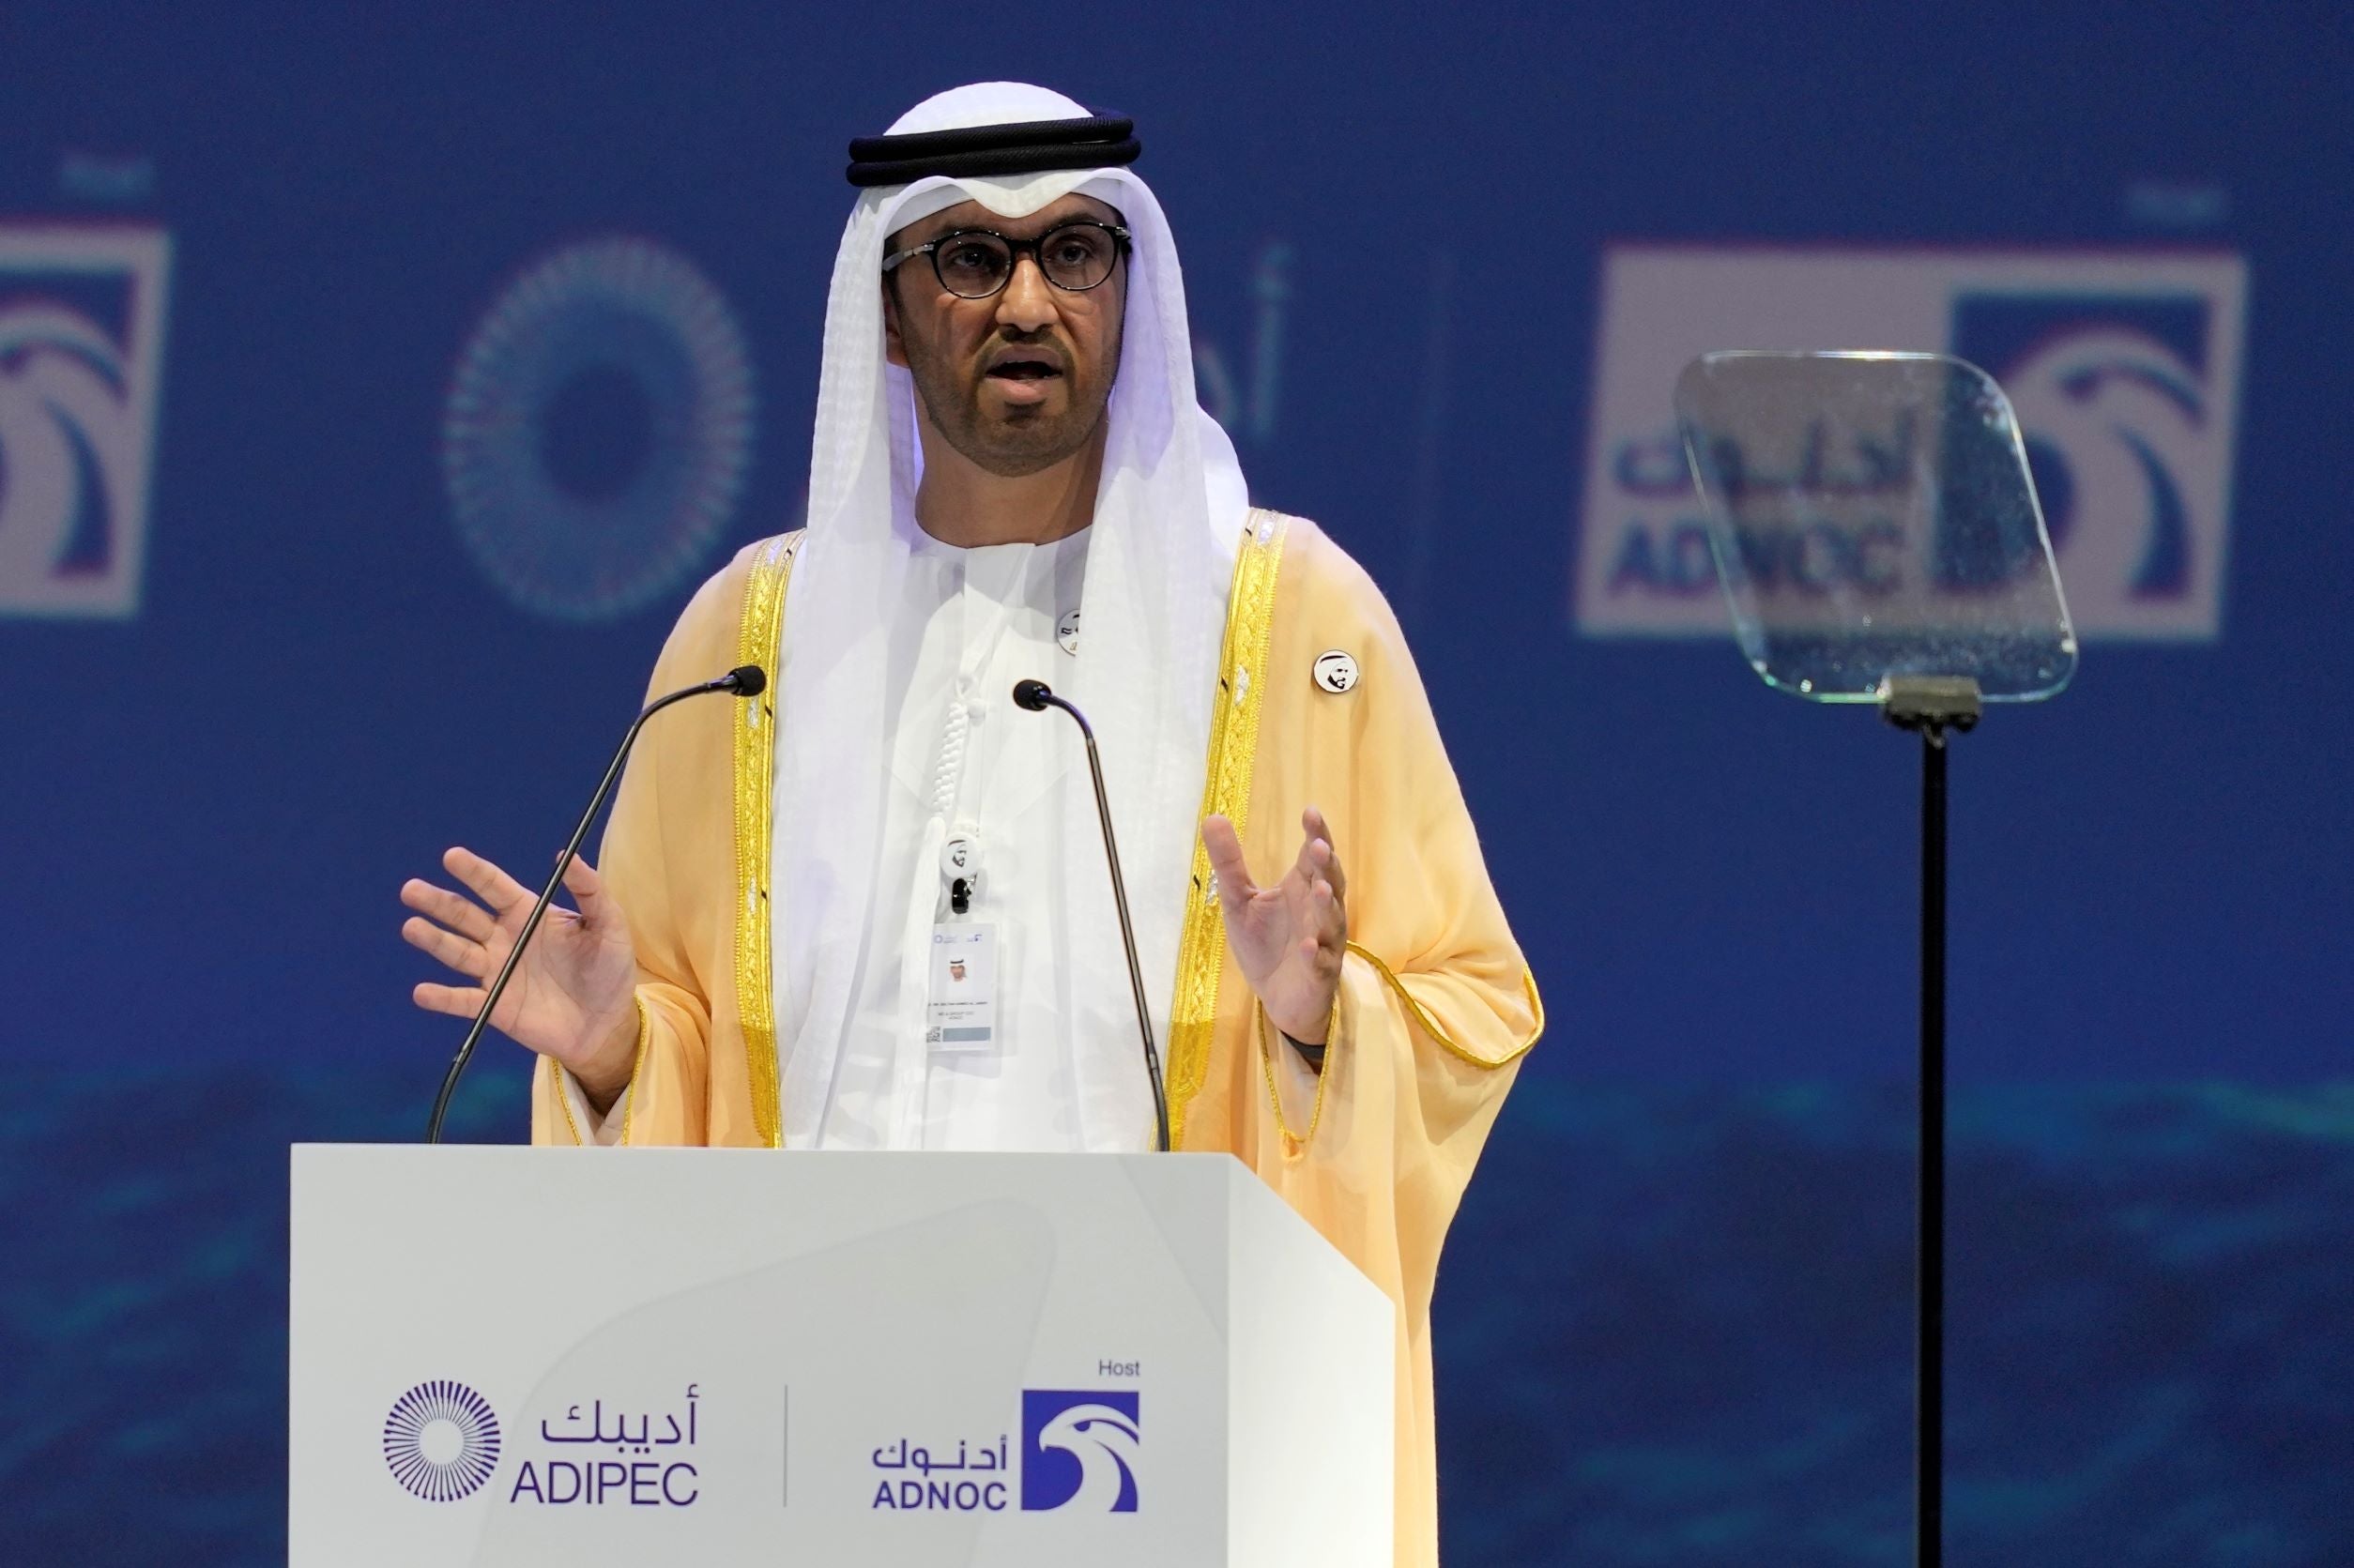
(1289, 938)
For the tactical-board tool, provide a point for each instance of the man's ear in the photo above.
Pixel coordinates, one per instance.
(894, 348)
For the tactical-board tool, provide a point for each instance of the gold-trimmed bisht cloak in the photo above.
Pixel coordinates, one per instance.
(1436, 1006)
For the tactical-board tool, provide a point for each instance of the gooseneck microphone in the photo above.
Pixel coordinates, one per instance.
(1037, 697)
(745, 681)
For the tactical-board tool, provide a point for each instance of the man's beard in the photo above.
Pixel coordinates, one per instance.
(1028, 441)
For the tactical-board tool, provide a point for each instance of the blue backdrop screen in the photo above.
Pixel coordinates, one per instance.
(353, 638)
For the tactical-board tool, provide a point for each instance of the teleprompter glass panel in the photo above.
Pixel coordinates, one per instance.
(1873, 517)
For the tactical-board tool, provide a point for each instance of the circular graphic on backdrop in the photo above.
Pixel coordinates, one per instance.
(598, 430)
(442, 1441)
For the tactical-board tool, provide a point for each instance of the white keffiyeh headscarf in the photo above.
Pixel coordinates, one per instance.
(1169, 516)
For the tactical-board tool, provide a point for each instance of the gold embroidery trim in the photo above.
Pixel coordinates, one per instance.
(1296, 1143)
(1430, 1026)
(638, 1067)
(563, 1101)
(1226, 790)
(759, 641)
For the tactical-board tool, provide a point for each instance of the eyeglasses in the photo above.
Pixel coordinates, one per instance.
(975, 264)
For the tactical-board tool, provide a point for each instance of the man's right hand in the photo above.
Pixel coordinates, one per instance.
(573, 998)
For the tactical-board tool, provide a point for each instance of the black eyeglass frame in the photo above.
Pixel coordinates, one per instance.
(1016, 249)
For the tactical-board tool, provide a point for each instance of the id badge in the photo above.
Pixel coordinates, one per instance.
(961, 1017)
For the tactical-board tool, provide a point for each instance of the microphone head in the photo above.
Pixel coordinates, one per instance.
(746, 681)
(1031, 695)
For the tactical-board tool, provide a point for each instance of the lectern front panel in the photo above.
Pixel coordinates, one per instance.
(592, 1357)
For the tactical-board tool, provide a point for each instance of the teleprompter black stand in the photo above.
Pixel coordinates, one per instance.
(1935, 592)
(1934, 707)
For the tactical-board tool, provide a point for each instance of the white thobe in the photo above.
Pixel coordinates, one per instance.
(1002, 779)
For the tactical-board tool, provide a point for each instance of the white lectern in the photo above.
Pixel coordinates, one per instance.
(656, 1357)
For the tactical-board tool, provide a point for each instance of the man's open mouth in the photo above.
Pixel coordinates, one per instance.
(1024, 369)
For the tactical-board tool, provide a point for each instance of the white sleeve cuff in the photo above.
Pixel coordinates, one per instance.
(605, 1131)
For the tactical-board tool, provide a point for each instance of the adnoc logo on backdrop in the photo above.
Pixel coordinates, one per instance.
(81, 310)
(2124, 369)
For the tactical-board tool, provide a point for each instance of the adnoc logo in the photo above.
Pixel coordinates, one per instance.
(441, 1441)
(2127, 428)
(81, 362)
(1079, 1450)
(2123, 366)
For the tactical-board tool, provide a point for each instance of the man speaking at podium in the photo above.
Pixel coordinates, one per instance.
(870, 908)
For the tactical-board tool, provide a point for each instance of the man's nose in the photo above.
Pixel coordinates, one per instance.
(1027, 302)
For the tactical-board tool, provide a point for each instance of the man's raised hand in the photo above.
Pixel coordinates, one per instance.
(573, 998)
(1289, 938)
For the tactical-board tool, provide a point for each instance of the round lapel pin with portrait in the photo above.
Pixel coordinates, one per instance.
(1336, 670)
(1066, 632)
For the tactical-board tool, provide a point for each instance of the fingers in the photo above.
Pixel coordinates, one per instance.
(1328, 885)
(1319, 860)
(1332, 918)
(468, 958)
(586, 887)
(1317, 827)
(494, 887)
(461, 915)
(1226, 860)
(459, 1001)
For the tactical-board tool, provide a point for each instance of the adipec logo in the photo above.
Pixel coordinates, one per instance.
(441, 1441)
(598, 430)
(1079, 1450)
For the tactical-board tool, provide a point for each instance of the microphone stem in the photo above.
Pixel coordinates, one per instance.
(1127, 934)
(547, 895)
